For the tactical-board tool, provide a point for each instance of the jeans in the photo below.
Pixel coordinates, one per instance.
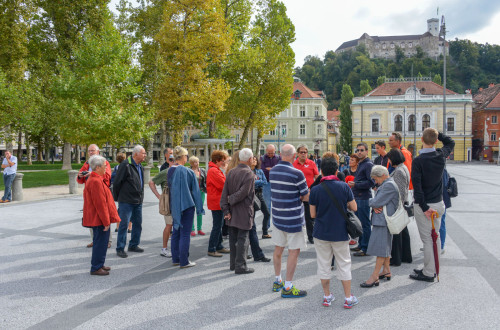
(265, 212)
(181, 238)
(215, 240)
(238, 245)
(129, 212)
(7, 181)
(363, 214)
(99, 247)
(266, 193)
(254, 243)
(442, 229)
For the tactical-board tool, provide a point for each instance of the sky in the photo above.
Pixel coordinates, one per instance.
(323, 25)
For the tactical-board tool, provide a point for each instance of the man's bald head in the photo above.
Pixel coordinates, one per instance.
(270, 150)
(288, 153)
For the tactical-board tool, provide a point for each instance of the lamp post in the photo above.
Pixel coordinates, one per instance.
(498, 162)
(442, 33)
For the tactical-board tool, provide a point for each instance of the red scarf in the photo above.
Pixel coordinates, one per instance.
(330, 177)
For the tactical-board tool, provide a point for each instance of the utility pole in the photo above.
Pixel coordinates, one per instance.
(442, 33)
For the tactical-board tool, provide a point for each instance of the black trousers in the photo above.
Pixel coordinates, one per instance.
(238, 246)
(265, 211)
(254, 243)
(309, 222)
(401, 248)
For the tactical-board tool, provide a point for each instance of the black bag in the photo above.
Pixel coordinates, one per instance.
(256, 203)
(354, 227)
(409, 208)
(452, 187)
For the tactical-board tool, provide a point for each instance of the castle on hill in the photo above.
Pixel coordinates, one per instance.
(385, 46)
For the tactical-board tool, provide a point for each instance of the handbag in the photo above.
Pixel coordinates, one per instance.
(353, 224)
(452, 187)
(256, 203)
(400, 219)
(165, 202)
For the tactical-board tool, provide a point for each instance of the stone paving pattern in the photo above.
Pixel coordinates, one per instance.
(45, 281)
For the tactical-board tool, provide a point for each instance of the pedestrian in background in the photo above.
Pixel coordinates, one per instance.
(99, 211)
(330, 231)
(382, 154)
(201, 175)
(260, 184)
(9, 165)
(120, 157)
(267, 162)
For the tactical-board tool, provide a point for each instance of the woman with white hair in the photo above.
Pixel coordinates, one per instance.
(380, 243)
(99, 211)
(184, 197)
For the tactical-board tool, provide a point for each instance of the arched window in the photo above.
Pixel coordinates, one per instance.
(398, 123)
(426, 122)
(411, 123)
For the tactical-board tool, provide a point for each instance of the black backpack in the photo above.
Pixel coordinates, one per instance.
(452, 187)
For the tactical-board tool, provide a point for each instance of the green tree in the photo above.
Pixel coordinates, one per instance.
(98, 89)
(437, 79)
(346, 118)
(364, 87)
(380, 80)
(400, 54)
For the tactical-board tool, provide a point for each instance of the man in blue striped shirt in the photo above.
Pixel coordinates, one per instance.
(288, 190)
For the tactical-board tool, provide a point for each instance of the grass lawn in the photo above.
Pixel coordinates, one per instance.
(49, 178)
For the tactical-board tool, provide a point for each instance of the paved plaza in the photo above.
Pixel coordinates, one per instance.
(45, 281)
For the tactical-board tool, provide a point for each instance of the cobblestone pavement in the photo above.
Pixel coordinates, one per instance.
(45, 281)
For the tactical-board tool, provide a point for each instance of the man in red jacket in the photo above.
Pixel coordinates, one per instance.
(215, 184)
(395, 143)
(83, 176)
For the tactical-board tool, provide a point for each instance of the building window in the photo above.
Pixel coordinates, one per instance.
(384, 46)
(493, 136)
(426, 122)
(375, 123)
(450, 124)
(494, 120)
(272, 132)
(302, 111)
(316, 111)
(392, 46)
(377, 46)
(319, 131)
(402, 45)
(398, 123)
(283, 130)
(410, 45)
(411, 123)
(237, 138)
(302, 129)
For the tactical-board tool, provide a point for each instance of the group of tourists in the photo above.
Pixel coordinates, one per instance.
(291, 190)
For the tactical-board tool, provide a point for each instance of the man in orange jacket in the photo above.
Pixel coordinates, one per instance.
(395, 142)
(83, 176)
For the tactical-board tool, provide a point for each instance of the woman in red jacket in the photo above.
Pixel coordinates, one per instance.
(99, 211)
(215, 184)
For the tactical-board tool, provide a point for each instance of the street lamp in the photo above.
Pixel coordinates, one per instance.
(442, 33)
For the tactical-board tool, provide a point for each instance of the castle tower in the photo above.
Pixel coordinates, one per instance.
(433, 26)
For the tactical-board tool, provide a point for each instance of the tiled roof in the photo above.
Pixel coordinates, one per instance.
(306, 91)
(332, 114)
(399, 88)
(488, 98)
(353, 43)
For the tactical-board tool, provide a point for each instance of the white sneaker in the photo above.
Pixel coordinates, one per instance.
(166, 253)
(442, 251)
(190, 264)
(327, 301)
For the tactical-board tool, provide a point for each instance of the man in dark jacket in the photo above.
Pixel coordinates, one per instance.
(236, 203)
(361, 188)
(427, 176)
(128, 191)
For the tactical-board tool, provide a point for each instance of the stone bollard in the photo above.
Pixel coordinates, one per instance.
(73, 185)
(147, 174)
(17, 187)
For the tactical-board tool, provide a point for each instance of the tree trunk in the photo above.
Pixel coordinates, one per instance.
(47, 152)
(248, 126)
(39, 155)
(163, 142)
(78, 150)
(28, 151)
(66, 156)
(176, 138)
(259, 138)
(148, 145)
(212, 128)
(114, 151)
(20, 145)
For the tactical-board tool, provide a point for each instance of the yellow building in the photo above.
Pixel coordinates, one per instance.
(401, 105)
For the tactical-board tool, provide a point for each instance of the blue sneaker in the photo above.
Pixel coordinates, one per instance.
(293, 293)
(277, 286)
(351, 302)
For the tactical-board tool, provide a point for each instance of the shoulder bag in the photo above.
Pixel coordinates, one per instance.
(354, 227)
(452, 187)
(400, 219)
(165, 202)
